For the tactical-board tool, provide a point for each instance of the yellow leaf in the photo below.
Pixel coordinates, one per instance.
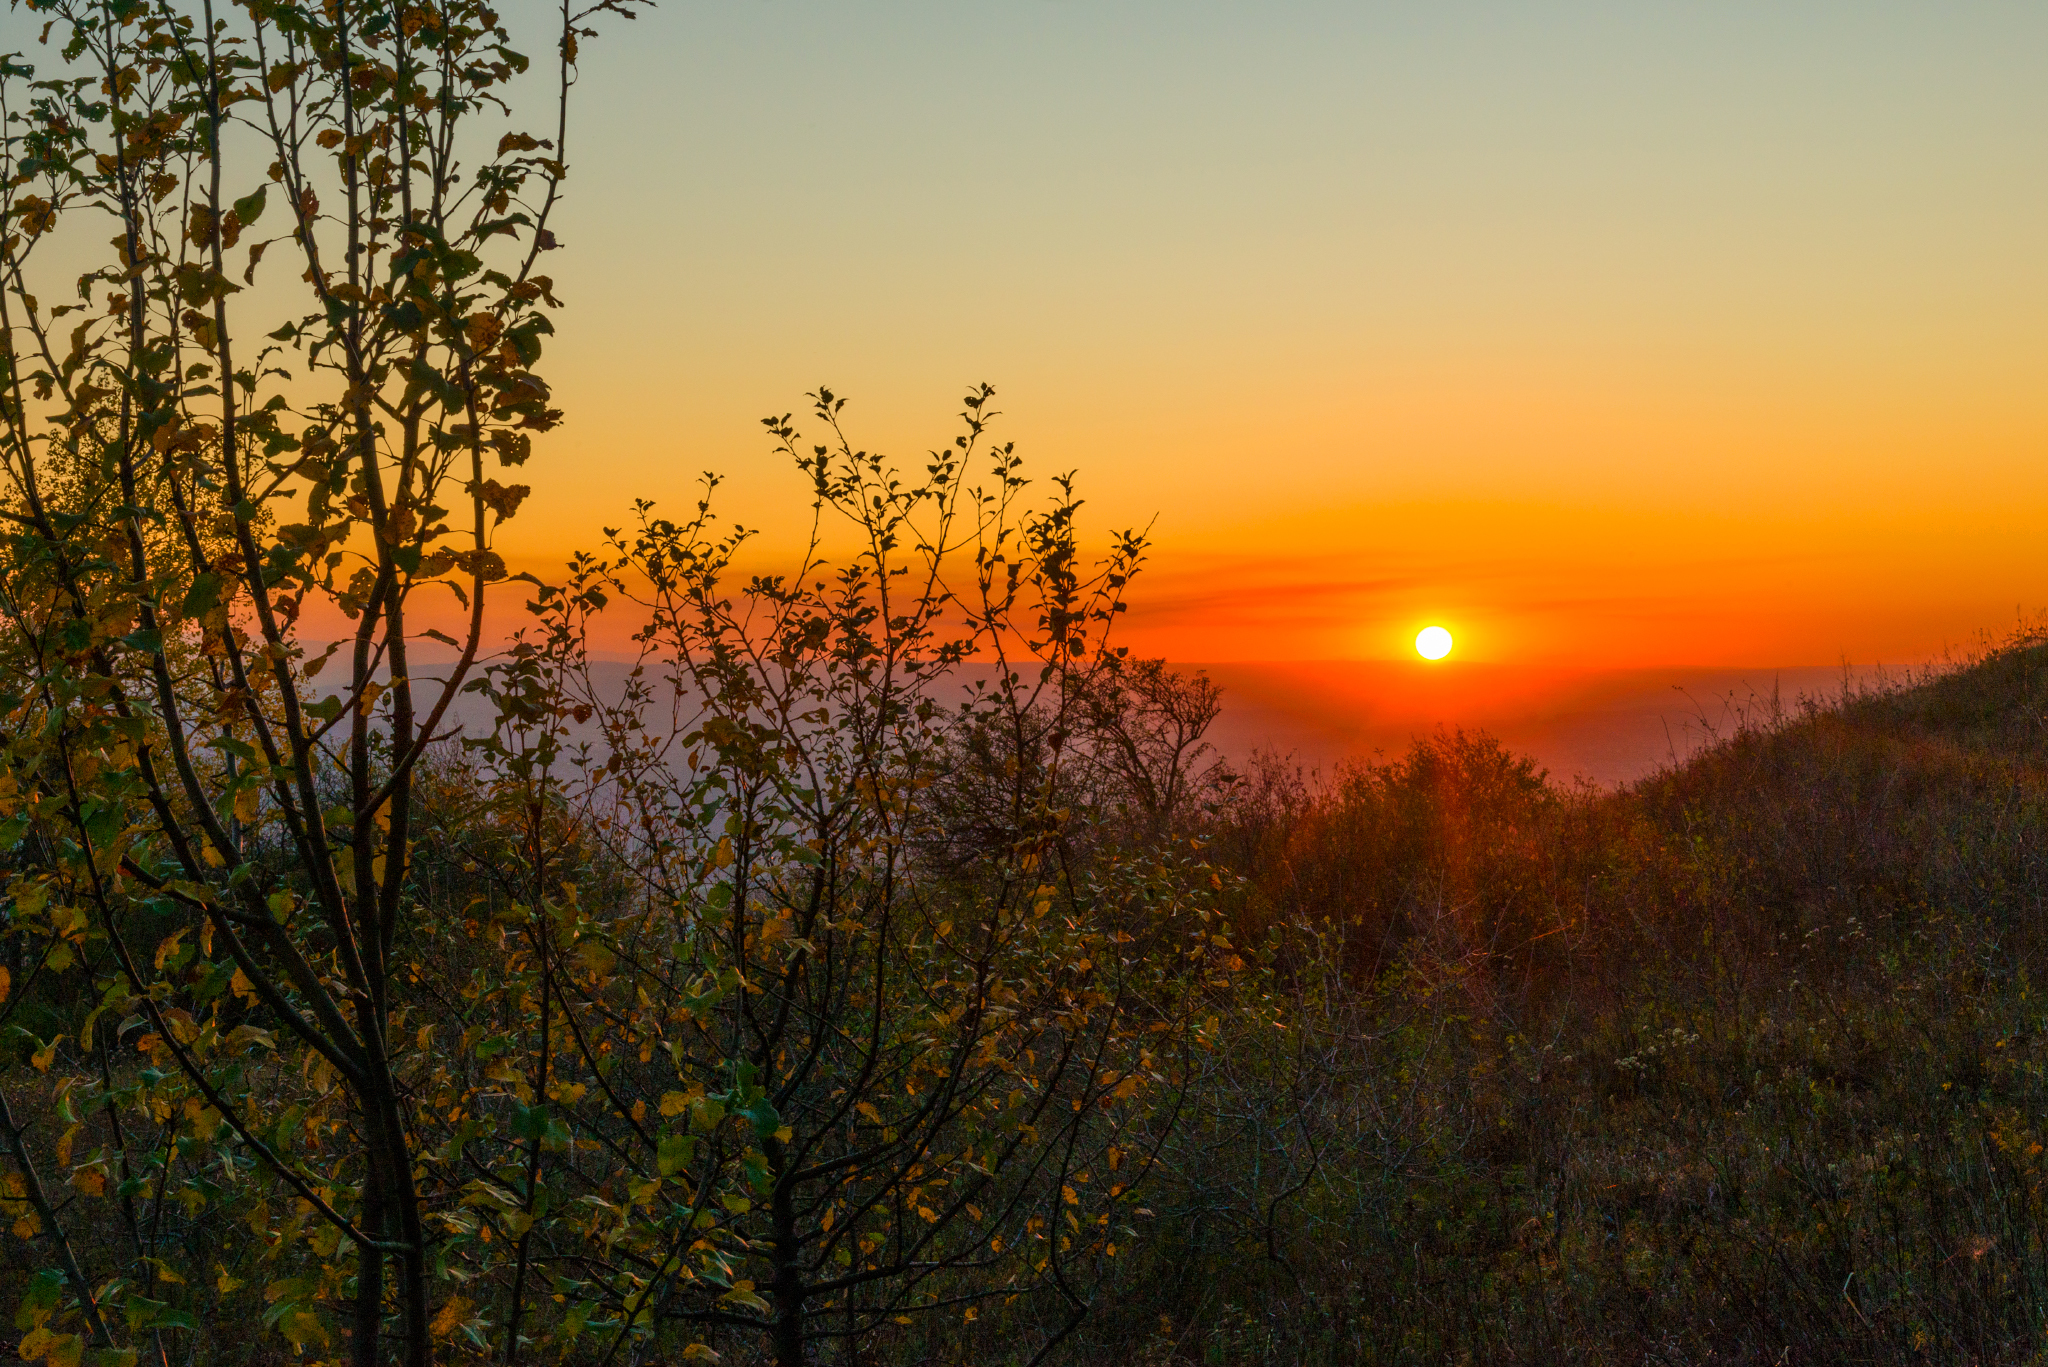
(183, 1028)
(595, 958)
(302, 1326)
(6, 981)
(674, 1103)
(698, 1352)
(65, 1350)
(207, 1122)
(451, 1317)
(45, 1056)
(168, 947)
(244, 1036)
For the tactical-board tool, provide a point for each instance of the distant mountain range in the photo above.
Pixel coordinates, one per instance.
(1611, 726)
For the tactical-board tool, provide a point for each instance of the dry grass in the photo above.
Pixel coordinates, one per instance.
(1744, 1064)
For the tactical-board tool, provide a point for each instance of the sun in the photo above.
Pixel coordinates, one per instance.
(1432, 643)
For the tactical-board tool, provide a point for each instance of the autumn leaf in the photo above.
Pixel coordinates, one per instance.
(451, 1317)
(301, 1326)
(502, 499)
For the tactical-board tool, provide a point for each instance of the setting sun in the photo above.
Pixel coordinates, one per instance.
(1433, 643)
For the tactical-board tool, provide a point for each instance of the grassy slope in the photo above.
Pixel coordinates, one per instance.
(1742, 1065)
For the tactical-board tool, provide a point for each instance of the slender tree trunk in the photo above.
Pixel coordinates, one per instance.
(533, 1145)
(413, 1261)
(369, 1308)
(788, 1290)
(53, 1229)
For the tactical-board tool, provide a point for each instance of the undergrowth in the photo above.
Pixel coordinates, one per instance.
(1741, 1064)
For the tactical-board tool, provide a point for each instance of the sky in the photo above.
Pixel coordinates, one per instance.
(1614, 335)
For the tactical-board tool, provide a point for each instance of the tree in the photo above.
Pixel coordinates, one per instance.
(888, 1016)
(811, 991)
(203, 456)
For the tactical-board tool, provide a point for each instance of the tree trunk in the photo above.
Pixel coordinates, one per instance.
(405, 1220)
(788, 1290)
(369, 1308)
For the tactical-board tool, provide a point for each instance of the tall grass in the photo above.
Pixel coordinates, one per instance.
(1741, 1064)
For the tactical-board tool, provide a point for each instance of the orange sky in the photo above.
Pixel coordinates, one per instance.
(1606, 334)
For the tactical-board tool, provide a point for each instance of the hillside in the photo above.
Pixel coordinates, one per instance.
(1743, 1064)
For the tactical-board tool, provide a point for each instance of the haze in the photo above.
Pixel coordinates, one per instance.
(1611, 336)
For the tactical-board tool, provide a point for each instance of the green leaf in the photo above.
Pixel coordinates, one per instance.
(45, 1289)
(674, 1153)
(529, 1122)
(766, 1121)
(204, 595)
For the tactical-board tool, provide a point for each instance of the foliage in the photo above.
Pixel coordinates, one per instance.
(215, 856)
(681, 1029)
(1740, 1065)
(873, 1013)
(834, 985)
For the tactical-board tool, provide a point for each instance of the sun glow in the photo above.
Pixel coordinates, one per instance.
(1432, 643)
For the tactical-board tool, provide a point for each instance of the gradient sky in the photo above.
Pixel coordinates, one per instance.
(1616, 334)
